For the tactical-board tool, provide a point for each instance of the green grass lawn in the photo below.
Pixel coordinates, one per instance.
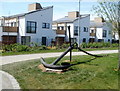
(53, 50)
(98, 73)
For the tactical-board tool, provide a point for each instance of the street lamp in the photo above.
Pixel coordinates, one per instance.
(79, 26)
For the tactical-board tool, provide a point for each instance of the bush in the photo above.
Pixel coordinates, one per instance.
(65, 45)
(115, 45)
(21, 48)
(33, 44)
(43, 47)
(15, 48)
(97, 45)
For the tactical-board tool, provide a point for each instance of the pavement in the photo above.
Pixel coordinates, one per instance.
(9, 82)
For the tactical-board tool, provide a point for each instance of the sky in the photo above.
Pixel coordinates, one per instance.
(60, 7)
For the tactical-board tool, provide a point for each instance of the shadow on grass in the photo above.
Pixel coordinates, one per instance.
(84, 62)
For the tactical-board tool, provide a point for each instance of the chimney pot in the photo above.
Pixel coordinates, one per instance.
(34, 7)
(73, 14)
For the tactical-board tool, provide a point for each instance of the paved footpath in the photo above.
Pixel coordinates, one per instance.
(7, 81)
(17, 58)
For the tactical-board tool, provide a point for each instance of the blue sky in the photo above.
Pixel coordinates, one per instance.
(60, 9)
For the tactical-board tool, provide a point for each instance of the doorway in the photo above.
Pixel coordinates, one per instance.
(43, 40)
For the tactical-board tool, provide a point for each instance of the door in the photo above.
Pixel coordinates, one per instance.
(25, 40)
(43, 40)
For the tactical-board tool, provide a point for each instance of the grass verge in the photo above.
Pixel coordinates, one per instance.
(90, 73)
(53, 50)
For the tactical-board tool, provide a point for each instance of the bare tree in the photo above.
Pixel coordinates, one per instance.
(110, 11)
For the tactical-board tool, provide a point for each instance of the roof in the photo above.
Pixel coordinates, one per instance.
(66, 19)
(96, 24)
(23, 14)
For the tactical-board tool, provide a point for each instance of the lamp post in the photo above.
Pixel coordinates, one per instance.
(79, 26)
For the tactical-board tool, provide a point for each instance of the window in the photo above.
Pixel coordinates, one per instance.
(46, 25)
(109, 32)
(62, 28)
(11, 24)
(75, 30)
(104, 33)
(85, 29)
(100, 40)
(92, 31)
(58, 28)
(25, 40)
(84, 39)
(15, 24)
(31, 27)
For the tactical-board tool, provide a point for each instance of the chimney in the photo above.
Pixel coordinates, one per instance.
(73, 14)
(34, 7)
(99, 19)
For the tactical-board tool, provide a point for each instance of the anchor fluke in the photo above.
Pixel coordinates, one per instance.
(51, 66)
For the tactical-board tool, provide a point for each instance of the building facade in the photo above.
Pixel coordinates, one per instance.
(33, 26)
(100, 31)
(76, 24)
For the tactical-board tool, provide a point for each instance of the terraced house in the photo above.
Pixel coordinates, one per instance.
(33, 26)
(100, 31)
(73, 20)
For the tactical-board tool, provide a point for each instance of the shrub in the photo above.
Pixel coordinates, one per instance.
(21, 48)
(115, 45)
(97, 45)
(33, 44)
(15, 48)
(65, 45)
(42, 47)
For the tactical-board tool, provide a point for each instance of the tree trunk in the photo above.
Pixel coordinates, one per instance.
(119, 52)
(119, 34)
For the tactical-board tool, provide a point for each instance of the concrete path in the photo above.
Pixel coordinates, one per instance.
(17, 58)
(7, 81)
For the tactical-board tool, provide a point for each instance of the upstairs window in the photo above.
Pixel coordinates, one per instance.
(46, 25)
(104, 33)
(31, 27)
(92, 31)
(76, 30)
(12, 24)
(109, 32)
(85, 29)
(60, 27)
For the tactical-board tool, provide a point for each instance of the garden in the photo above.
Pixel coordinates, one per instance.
(16, 49)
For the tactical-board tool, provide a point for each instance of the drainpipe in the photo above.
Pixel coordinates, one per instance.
(17, 29)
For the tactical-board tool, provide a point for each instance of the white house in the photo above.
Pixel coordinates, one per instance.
(99, 31)
(33, 26)
(72, 20)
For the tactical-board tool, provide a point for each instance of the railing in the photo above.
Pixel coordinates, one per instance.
(10, 29)
(60, 32)
(92, 34)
